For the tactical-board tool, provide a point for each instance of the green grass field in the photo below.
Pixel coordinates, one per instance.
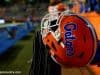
(17, 58)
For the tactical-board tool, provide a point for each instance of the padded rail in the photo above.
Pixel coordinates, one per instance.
(11, 33)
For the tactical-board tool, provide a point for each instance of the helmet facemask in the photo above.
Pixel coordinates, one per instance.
(50, 24)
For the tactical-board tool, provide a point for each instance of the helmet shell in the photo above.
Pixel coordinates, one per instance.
(79, 39)
(79, 42)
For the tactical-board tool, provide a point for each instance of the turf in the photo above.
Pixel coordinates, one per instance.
(17, 58)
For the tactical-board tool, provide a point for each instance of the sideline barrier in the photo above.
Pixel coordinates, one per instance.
(11, 33)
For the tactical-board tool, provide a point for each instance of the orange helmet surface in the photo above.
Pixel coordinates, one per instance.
(71, 39)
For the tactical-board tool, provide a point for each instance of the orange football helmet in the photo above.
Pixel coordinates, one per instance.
(71, 39)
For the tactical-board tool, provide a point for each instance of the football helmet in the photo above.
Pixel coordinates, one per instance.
(70, 38)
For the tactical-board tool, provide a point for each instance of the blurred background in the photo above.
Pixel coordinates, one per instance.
(21, 9)
(18, 55)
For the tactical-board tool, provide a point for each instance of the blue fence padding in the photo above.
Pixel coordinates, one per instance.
(21, 31)
(29, 25)
(3, 35)
(21, 34)
(6, 44)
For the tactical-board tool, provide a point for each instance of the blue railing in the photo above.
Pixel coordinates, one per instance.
(11, 33)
